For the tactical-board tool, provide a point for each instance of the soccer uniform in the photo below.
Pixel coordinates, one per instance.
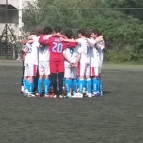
(56, 48)
(72, 54)
(44, 55)
(84, 63)
(94, 55)
(31, 59)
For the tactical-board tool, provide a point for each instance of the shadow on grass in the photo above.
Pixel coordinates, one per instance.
(106, 92)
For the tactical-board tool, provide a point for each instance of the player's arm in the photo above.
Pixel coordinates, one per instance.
(43, 41)
(99, 39)
(66, 57)
(100, 46)
(59, 35)
(68, 40)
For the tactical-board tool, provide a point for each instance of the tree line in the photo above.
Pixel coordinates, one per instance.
(120, 21)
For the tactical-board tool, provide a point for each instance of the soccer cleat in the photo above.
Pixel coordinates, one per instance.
(69, 95)
(47, 96)
(89, 95)
(38, 95)
(31, 95)
(77, 95)
(80, 95)
(22, 89)
(95, 94)
(61, 96)
(54, 96)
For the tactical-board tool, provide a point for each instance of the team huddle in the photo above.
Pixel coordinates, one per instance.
(69, 65)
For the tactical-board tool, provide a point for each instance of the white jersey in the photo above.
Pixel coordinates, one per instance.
(32, 54)
(100, 51)
(72, 54)
(94, 55)
(44, 53)
(85, 48)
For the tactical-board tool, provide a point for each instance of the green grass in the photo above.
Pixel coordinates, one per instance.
(117, 117)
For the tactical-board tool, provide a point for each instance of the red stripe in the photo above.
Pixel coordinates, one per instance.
(34, 70)
(78, 68)
(92, 72)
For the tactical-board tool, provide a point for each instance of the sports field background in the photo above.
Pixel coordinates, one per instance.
(116, 117)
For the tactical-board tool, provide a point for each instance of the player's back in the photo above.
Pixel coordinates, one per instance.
(44, 52)
(56, 48)
(85, 56)
(32, 55)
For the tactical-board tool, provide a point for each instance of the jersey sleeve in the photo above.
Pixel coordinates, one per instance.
(43, 41)
(71, 44)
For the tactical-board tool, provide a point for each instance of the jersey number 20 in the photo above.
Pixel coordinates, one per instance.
(58, 47)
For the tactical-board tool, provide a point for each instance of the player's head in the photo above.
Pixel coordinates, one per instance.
(75, 35)
(95, 33)
(81, 32)
(87, 34)
(68, 33)
(32, 33)
(57, 29)
(47, 30)
(39, 31)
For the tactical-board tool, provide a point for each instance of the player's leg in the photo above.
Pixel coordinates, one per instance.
(53, 70)
(36, 78)
(88, 81)
(46, 81)
(32, 74)
(26, 74)
(81, 73)
(41, 74)
(23, 80)
(74, 80)
(60, 78)
(68, 81)
(95, 81)
(100, 81)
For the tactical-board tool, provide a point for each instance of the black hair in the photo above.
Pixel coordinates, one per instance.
(88, 34)
(96, 31)
(47, 30)
(32, 33)
(68, 33)
(58, 29)
(81, 31)
(39, 31)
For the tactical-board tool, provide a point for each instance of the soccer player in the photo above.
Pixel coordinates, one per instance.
(72, 56)
(23, 80)
(100, 46)
(44, 66)
(96, 62)
(31, 63)
(56, 48)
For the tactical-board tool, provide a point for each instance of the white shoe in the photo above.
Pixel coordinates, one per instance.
(31, 95)
(61, 96)
(89, 95)
(68, 95)
(80, 95)
(77, 95)
(54, 96)
(22, 89)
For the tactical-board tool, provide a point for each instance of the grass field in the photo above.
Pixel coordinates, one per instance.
(116, 117)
